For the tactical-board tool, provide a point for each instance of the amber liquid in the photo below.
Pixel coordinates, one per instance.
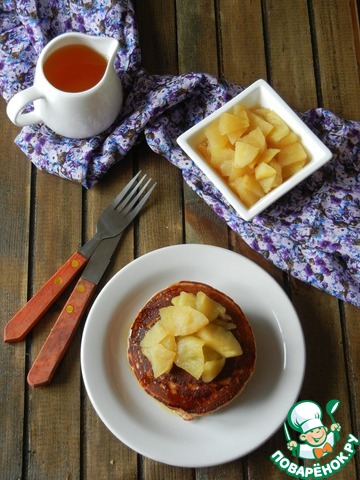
(75, 68)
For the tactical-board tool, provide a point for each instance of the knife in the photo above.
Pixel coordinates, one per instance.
(56, 344)
(288, 439)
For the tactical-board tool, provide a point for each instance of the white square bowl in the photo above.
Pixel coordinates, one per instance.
(259, 93)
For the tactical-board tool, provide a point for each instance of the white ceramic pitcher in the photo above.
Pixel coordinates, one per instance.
(75, 115)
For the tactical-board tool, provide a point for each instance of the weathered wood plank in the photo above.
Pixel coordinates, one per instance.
(325, 359)
(351, 331)
(54, 411)
(243, 62)
(242, 54)
(196, 22)
(289, 50)
(197, 34)
(15, 181)
(252, 61)
(157, 35)
(160, 225)
(337, 44)
(113, 459)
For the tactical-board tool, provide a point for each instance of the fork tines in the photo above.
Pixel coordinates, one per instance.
(133, 200)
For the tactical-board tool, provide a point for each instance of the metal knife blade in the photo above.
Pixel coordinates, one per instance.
(100, 259)
(287, 435)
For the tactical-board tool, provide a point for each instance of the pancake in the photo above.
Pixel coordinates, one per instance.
(178, 390)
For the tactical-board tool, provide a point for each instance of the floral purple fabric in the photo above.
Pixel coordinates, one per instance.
(311, 233)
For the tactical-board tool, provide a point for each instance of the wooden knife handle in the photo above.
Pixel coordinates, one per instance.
(24, 320)
(60, 336)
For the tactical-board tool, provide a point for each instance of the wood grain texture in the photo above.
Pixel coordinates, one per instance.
(197, 38)
(309, 50)
(164, 222)
(53, 444)
(241, 37)
(101, 452)
(197, 33)
(15, 191)
(337, 37)
(290, 55)
(255, 25)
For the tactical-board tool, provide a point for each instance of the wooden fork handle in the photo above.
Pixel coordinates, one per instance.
(56, 344)
(25, 319)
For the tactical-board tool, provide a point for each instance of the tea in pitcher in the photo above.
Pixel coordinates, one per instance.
(77, 92)
(75, 68)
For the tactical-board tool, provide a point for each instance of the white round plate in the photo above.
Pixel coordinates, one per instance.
(145, 425)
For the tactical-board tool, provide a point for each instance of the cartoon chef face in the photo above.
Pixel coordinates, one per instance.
(305, 417)
(314, 437)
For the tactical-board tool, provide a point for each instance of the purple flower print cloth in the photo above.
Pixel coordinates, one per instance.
(311, 233)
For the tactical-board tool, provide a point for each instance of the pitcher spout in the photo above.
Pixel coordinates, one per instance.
(106, 46)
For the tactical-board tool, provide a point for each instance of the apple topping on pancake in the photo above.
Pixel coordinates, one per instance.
(192, 348)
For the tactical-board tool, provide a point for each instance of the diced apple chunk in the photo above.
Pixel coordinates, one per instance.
(169, 342)
(203, 150)
(239, 108)
(221, 155)
(211, 354)
(236, 135)
(212, 368)
(249, 183)
(293, 153)
(265, 175)
(236, 173)
(263, 170)
(244, 154)
(267, 184)
(208, 306)
(262, 111)
(156, 333)
(229, 122)
(220, 340)
(291, 169)
(257, 121)
(184, 299)
(213, 364)
(190, 356)
(226, 168)
(214, 137)
(248, 189)
(247, 197)
(278, 179)
(268, 155)
(160, 357)
(280, 127)
(228, 325)
(255, 138)
(290, 138)
(182, 320)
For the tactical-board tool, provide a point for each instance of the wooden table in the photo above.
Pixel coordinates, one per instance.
(310, 52)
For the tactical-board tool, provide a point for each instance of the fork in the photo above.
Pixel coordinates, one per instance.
(117, 216)
(113, 221)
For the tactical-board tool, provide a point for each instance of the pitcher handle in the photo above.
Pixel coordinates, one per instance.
(18, 102)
